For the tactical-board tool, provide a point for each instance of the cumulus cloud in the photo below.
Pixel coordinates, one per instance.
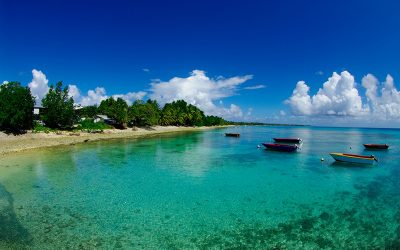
(130, 97)
(338, 96)
(39, 88)
(5, 82)
(73, 91)
(260, 86)
(384, 98)
(201, 91)
(94, 97)
(300, 101)
(39, 85)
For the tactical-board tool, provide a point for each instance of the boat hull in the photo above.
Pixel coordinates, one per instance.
(232, 134)
(353, 158)
(376, 146)
(280, 147)
(287, 140)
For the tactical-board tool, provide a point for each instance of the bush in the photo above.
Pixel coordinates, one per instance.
(39, 128)
(88, 125)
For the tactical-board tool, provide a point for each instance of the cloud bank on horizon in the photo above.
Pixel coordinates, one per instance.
(196, 89)
(339, 97)
(201, 91)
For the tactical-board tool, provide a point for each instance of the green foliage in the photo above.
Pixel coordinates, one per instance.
(59, 108)
(179, 113)
(89, 111)
(16, 108)
(89, 125)
(115, 109)
(194, 117)
(144, 114)
(38, 128)
(215, 121)
(106, 107)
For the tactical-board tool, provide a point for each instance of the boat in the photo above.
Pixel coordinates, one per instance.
(376, 146)
(232, 134)
(287, 140)
(353, 158)
(281, 147)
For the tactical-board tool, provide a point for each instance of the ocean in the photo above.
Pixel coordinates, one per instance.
(202, 190)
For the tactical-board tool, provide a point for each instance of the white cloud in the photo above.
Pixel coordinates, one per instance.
(146, 70)
(94, 97)
(130, 97)
(5, 82)
(260, 86)
(319, 73)
(386, 104)
(282, 113)
(300, 101)
(39, 88)
(338, 96)
(39, 85)
(73, 91)
(201, 91)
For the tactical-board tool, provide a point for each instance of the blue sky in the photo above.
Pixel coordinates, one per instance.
(108, 44)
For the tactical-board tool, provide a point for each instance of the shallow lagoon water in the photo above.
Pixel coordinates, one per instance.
(203, 190)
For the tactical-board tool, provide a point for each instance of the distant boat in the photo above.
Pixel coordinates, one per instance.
(281, 147)
(376, 146)
(352, 158)
(287, 140)
(232, 134)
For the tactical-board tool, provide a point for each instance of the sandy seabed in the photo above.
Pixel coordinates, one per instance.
(10, 143)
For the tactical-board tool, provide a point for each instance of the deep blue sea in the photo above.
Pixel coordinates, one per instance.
(202, 190)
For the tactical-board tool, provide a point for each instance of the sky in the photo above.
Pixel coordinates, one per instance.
(309, 62)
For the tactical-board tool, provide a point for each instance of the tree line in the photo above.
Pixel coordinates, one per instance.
(17, 104)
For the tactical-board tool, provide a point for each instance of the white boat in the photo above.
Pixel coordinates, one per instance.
(352, 158)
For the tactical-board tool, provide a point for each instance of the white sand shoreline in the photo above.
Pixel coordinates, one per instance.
(12, 144)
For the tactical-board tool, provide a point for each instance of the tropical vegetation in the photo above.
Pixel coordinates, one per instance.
(59, 112)
(116, 110)
(16, 108)
(59, 108)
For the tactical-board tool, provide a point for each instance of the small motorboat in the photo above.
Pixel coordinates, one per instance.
(376, 146)
(281, 147)
(232, 134)
(352, 158)
(287, 140)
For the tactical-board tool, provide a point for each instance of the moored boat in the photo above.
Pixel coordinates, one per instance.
(376, 146)
(232, 134)
(353, 158)
(287, 140)
(281, 147)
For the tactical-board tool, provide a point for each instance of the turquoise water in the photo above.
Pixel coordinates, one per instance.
(202, 190)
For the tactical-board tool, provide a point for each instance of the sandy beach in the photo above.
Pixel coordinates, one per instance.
(10, 143)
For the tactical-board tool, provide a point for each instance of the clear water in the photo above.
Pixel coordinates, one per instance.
(203, 190)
